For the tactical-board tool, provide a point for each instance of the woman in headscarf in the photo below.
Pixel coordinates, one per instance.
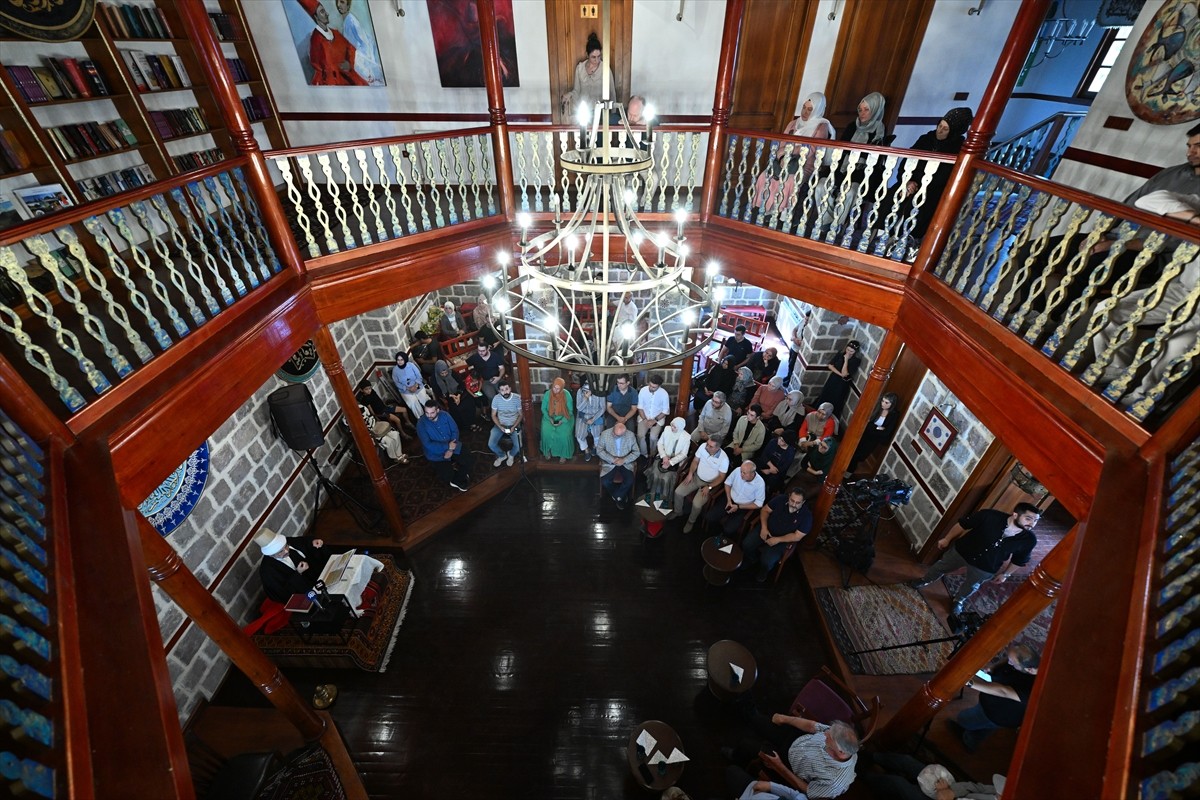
(484, 319)
(776, 459)
(451, 325)
(811, 124)
(879, 430)
(589, 418)
(410, 384)
(672, 451)
(768, 396)
(946, 138)
(449, 389)
(743, 388)
(867, 127)
(789, 412)
(841, 375)
(558, 422)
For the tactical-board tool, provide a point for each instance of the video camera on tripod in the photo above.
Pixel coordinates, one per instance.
(849, 533)
(879, 490)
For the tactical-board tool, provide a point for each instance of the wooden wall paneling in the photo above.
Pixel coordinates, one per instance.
(774, 46)
(566, 38)
(876, 50)
(133, 724)
(196, 398)
(1007, 389)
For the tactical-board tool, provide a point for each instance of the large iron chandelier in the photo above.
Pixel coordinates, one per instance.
(553, 300)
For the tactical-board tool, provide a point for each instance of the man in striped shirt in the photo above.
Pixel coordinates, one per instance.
(820, 758)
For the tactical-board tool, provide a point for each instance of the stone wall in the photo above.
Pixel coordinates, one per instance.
(824, 337)
(254, 480)
(940, 478)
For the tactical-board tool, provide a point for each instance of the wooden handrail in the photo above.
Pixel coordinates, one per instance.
(380, 142)
(839, 144)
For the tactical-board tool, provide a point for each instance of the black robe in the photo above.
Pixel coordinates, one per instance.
(281, 581)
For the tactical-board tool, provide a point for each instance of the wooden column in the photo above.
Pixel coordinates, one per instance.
(224, 92)
(722, 104)
(492, 78)
(167, 570)
(532, 415)
(331, 361)
(983, 127)
(1030, 599)
(881, 370)
(683, 402)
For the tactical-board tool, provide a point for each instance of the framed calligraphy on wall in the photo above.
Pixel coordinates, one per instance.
(937, 432)
(301, 366)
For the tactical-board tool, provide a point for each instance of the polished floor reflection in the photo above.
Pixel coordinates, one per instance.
(541, 630)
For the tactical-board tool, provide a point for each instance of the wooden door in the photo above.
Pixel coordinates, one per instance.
(774, 45)
(566, 37)
(876, 49)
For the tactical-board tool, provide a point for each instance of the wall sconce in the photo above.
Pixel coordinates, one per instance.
(977, 9)
(679, 16)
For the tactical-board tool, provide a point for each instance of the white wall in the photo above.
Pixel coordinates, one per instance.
(820, 50)
(674, 63)
(1158, 145)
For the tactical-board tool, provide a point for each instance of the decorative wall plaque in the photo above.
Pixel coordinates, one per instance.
(169, 505)
(301, 366)
(1163, 84)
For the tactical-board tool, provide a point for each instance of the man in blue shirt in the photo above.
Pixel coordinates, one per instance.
(622, 403)
(444, 451)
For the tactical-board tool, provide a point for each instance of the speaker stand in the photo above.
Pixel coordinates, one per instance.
(366, 517)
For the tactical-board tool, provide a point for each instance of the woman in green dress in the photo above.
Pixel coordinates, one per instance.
(558, 423)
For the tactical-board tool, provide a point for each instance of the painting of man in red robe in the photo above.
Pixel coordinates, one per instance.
(457, 44)
(330, 54)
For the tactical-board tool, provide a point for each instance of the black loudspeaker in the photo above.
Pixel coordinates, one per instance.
(295, 417)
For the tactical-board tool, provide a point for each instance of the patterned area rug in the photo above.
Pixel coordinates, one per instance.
(309, 775)
(867, 617)
(991, 596)
(370, 639)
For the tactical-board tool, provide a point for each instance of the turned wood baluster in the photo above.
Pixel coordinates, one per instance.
(722, 104)
(331, 361)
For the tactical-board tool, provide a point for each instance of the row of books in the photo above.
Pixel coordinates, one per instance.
(155, 72)
(129, 21)
(224, 26)
(237, 68)
(115, 182)
(13, 157)
(198, 159)
(256, 107)
(175, 122)
(86, 139)
(59, 79)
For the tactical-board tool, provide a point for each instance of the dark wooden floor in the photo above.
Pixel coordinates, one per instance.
(541, 630)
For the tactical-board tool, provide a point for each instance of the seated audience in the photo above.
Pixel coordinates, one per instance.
(410, 384)
(819, 457)
(719, 378)
(444, 449)
(819, 424)
(589, 419)
(1003, 700)
(489, 366)
(811, 124)
(820, 759)
(743, 389)
(705, 475)
(879, 431)
(653, 406)
(783, 520)
(764, 364)
(737, 346)
(745, 493)
(558, 423)
(426, 353)
(789, 413)
(867, 128)
(768, 396)
(618, 454)
(449, 389)
(748, 436)
(621, 403)
(290, 565)
(714, 420)
(506, 421)
(451, 325)
(663, 471)
(385, 437)
(776, 459)
(902, 777)
(397, 416)
(484, 320)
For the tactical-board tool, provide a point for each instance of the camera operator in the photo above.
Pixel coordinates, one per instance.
(990, 544)
(1004, 695)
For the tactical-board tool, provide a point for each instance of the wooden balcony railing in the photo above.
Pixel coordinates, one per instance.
(1106, 291)
(872, 200)
(1038, 149)
(673, 182)
(99, 290)
(340, 197)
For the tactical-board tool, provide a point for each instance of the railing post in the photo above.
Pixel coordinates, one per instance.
(168, 571)
(220, 83)
(1030, 599)
(1012, 58)
(486, 11)
(722, 104)
(685, 388)
(881, 370)
(331, 361)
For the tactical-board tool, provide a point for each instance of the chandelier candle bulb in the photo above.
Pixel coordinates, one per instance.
(681, 216)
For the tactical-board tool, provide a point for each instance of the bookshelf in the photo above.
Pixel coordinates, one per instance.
(125, 104)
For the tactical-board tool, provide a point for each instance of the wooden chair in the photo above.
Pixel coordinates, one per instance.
(826, 698)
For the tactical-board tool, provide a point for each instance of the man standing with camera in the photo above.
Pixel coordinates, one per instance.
(990, 544)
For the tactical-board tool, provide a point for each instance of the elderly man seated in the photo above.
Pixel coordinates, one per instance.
(782, 521)
(714, 420)
(745, 494)
(290, 565)
(819, 759)
(618, 453)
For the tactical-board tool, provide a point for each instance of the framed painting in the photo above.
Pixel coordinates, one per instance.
(937, 432)
(336, 43)
(459, 49)
(1163, 83)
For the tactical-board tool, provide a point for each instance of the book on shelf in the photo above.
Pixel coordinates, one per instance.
(41, 200)
(9, 215)
(75, 73)
(224, 26)
(198, 159)
(115, 182)
(95, 79)
(256, 107)
(237, 68)
(13, 156)
(130, 21)
(50, 84)
(85, 139)
(27, 83)
(154, 72)
(174, 122)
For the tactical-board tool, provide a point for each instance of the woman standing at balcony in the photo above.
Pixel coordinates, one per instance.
(841, 369)
(588, 82)
(811, 124)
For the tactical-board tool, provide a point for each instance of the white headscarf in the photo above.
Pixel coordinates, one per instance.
(812, 126)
